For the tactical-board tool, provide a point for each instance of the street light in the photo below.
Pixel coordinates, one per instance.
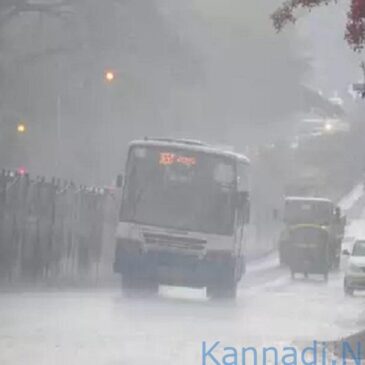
(328, 127)
(21, 128)
(109, 76)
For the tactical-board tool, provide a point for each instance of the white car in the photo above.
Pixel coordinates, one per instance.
(355, 272)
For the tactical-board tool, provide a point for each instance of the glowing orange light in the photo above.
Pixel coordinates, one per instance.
(187, 161)
(167, 158)
(21, 128)
(109, 76)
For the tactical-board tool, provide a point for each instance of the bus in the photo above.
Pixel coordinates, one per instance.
(183, 217)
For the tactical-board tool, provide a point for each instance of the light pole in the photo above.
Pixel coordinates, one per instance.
(20, 153)
(110, 78)
(58, 131)
(358, 89)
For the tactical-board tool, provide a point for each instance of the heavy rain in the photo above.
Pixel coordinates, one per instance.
(182, 182)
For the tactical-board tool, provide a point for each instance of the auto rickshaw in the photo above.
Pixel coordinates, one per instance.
(309, 250)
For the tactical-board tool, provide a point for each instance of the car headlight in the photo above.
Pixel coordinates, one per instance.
(354, 268)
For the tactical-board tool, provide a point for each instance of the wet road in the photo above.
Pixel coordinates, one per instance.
(103, 327)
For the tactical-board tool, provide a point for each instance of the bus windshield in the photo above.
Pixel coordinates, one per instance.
(180, 189)
(308, 211)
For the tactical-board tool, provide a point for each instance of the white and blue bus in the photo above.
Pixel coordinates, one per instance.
(183, 217)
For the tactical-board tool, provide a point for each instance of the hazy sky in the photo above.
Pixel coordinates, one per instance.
(334, 64)
(208, 69)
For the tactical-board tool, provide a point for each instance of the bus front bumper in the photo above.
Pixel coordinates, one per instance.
(175, 269)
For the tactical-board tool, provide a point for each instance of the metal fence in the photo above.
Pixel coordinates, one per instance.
(53, 231)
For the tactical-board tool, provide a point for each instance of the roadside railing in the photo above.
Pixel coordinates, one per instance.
(55, 231)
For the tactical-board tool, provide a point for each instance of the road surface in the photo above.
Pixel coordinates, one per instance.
(103, 327)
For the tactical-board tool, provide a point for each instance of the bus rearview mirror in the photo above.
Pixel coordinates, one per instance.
(119, 182)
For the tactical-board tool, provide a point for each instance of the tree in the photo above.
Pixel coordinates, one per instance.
(355, 27)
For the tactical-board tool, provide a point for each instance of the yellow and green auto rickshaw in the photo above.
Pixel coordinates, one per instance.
(309, 250)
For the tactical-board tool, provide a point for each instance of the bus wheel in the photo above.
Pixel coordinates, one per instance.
(222, 291)
(137, 285)
(223, 288)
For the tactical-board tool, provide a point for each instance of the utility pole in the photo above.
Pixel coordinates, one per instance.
(359, 88)
(58, 132)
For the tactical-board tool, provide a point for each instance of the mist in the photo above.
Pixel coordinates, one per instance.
(197, 69)
(174, 175)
